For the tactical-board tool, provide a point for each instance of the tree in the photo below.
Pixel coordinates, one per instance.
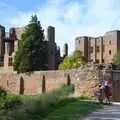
(31, 54)
(73, 61)
(116, 59)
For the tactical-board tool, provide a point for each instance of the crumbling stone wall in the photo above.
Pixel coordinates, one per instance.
(85, 81)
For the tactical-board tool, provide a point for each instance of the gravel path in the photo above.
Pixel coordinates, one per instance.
(109, 112)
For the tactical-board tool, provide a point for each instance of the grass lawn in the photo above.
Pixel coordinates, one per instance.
(71, 108)
(50, 106)
(65, 109)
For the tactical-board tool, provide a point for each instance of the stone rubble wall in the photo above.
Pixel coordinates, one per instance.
(85, 80)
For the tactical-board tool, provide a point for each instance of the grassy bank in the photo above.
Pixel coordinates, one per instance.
(50, 106)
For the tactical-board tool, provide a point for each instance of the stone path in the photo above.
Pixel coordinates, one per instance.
(109, 112)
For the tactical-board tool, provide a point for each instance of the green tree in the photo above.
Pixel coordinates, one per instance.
(31, 54)
(73, 61)
(116, 59)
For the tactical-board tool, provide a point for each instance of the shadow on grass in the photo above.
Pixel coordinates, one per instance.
(71, 108)
(62, 110)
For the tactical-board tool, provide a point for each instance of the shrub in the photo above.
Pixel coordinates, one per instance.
(64, 90)
(83, 97)
(10, 101)
(49, 99)
(3, 93)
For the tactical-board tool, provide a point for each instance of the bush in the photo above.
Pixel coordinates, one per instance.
(3, 93)
(49, 99)
(10, 101)
(83, 97)
(64, 90)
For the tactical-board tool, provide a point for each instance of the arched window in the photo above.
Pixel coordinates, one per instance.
(109, 52)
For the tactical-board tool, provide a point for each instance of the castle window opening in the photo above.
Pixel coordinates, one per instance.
(91, 49)
(10, 61)
(91, 60)
(97, 48)
(103, 61)
(109, 52)
(97, 61)
(109, 42)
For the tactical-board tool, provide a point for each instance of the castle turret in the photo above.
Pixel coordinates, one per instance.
(12, 34)
(51, 34)
(65, 50)
(2, 45)
(2, 37)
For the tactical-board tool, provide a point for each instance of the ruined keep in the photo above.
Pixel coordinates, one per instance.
(9, 43)
(100, 49)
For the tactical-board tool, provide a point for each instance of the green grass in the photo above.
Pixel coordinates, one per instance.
(71, 108)
(65, 109)
(50, 106)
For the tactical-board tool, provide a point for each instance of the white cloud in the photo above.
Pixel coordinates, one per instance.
(72, 19)
(73, 12)
(21, 20)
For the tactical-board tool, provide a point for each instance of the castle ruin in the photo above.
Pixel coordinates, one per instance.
(9, 43)
(101, 49)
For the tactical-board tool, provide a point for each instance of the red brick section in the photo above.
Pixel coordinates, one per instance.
(34, 84)
(86, 82)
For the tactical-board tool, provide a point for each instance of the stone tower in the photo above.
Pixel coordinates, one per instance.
(2, 45)
(51, 48)
(65, 50)
(51, 34)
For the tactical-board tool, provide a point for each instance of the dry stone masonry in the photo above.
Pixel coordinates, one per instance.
(86, 79)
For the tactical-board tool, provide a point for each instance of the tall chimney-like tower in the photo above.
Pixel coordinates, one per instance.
(2, 37)
(51, 34)
(65, 50)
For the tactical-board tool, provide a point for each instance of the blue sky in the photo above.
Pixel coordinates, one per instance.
(71, 18)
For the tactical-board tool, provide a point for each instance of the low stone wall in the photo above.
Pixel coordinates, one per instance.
(43, 81)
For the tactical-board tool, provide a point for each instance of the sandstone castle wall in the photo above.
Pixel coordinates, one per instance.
(85, 81)
(44, 81)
